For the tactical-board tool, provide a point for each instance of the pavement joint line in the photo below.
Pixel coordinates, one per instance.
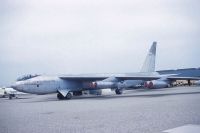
(190, 128)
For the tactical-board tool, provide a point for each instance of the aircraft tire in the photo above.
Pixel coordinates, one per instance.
(77, 93)
(68, 96)
(10, 97)
(60, 96)
(118, 91)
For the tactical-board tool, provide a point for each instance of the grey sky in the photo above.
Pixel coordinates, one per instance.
(89, 36)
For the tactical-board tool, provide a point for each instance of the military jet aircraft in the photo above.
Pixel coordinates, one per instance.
(68, 85)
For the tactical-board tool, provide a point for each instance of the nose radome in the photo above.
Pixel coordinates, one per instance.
(16, 86)
(13, 86)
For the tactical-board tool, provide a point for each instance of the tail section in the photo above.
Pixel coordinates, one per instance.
(149, 64)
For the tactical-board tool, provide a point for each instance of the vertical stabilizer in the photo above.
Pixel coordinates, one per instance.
(149, 63)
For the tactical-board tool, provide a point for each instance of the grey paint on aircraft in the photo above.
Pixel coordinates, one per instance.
(71, 37)
(64, 86)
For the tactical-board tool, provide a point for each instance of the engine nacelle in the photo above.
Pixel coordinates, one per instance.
(103, 84)
(156, 84)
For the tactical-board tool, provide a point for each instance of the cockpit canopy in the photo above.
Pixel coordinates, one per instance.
(25, 77)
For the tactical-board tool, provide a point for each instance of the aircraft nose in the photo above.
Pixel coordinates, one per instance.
(16, 86)
(13, 86)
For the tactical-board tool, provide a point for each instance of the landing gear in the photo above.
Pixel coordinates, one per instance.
(77, 93)
(61, 97)
(169, 86)
(11, 96)
(68, 96)
(118, 91)
(189, 82)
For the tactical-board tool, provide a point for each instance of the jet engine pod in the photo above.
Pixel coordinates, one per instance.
(156, 84)
(104, 84)
(93, 85)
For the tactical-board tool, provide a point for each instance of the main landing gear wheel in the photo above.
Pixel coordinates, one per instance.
(68, 96)
(77, 93)
(118, 91)
(60, 96)
(11, 96)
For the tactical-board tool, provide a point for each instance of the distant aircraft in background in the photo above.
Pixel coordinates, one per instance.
(9, 92)
(68, 85)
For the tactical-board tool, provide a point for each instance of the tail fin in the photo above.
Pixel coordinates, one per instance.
(149, 64)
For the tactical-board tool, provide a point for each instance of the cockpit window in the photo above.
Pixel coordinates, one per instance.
(25, 77)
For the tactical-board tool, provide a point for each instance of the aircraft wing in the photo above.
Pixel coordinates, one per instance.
(147, 78)
(95, 78)
(183, 78)
(83, 78)
(120, 78)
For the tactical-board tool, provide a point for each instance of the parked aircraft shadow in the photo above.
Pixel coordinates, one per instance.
(106, 97)
(134, 95)
(145, 90)
(17, 98)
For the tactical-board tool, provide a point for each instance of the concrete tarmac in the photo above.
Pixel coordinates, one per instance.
(136, 111)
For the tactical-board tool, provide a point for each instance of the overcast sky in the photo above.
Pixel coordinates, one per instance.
(96, 36)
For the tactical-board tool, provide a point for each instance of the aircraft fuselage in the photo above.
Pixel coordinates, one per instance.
(44, 85)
